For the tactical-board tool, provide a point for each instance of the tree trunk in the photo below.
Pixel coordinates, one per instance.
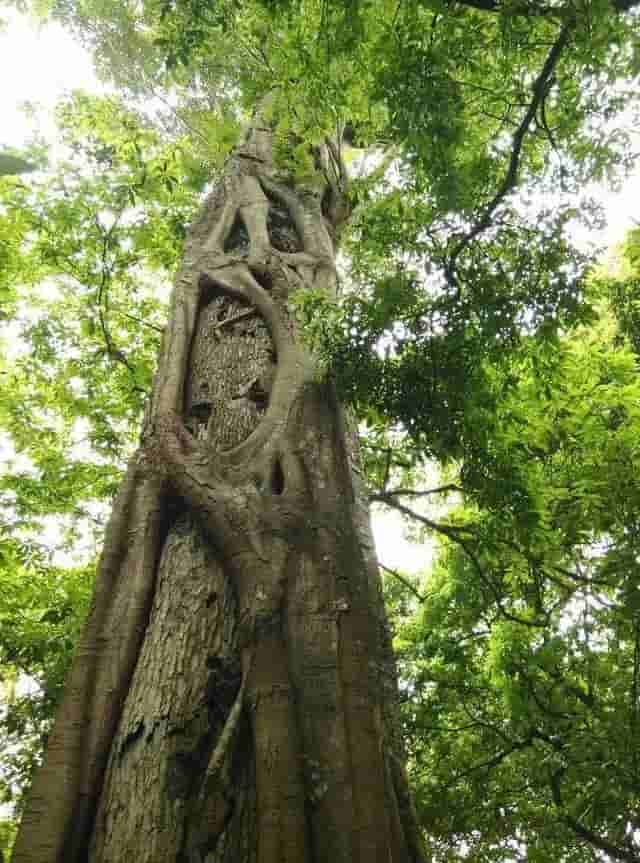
(233, 695)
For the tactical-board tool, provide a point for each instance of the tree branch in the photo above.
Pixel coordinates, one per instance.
(137, 320)
(623, 854)
(410, 492)
(404, 581)
(533, 9)
(539, 89)
(179, 117)
(527, 9)
(448, 530)
(113, 352)
(461, 536)
(387, 469)
(495, 760)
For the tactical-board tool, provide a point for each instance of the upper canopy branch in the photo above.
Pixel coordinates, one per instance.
(525, 8)
(626, 855)
(339, 208)
(462, 537)
(385, 494)
(533, 8)
(539, 90)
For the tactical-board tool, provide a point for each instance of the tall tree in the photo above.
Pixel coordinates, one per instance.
(232, 696)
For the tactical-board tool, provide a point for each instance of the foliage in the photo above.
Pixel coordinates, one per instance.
(522, 666)
(410, 348)
(466, 332)
(42, 608)
(12, 164)
(624, 291)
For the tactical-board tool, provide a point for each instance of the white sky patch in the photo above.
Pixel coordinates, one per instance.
(394, 549)
(12, 460)
(623, 209)
(38, 65)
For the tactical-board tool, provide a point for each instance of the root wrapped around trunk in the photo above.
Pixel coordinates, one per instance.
(233, 695)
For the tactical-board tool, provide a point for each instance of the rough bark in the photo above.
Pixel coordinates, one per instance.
(233, 696)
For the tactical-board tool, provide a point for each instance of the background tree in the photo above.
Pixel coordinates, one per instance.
(523, 662)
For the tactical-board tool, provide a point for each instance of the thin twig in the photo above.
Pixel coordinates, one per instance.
(457, 534)
(526, 9)
(180, 118)
(105, 278)
(404, 581)
(138, 320)
(539, 88)
(411, 492)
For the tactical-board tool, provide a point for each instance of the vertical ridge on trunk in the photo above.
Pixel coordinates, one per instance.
(245, 674)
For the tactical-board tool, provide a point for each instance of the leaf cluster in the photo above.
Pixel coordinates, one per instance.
(521, 668)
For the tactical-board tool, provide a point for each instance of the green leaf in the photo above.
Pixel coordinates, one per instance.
(11, 164)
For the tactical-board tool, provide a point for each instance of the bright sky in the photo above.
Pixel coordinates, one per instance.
(39, 65)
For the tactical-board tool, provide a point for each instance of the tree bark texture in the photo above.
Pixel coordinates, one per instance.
(233, 695)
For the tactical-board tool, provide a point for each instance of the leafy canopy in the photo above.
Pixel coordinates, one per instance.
(465, 333)
(522, 665)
